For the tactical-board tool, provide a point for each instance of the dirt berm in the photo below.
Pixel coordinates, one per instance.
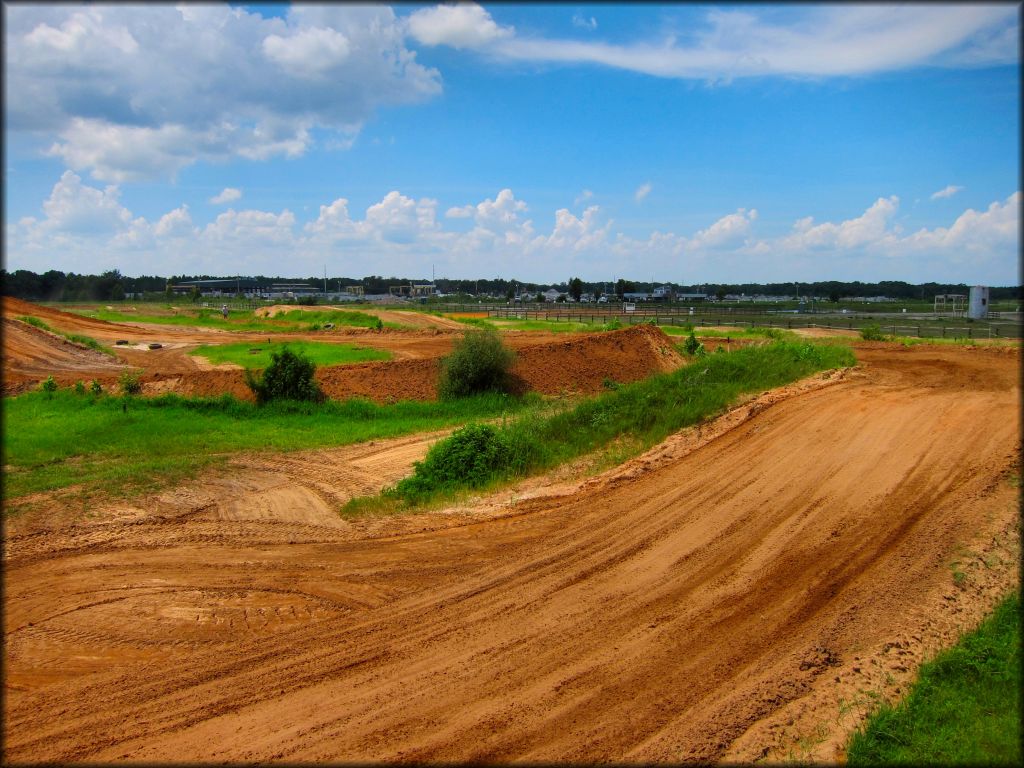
(582, 364)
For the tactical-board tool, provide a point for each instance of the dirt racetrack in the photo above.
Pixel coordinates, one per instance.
(735, 594)
(551, 364)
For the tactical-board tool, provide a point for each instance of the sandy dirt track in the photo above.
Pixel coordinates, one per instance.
(718, 598)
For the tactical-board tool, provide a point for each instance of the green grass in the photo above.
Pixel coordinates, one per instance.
(321, 353)
(240, 319)
(964, 709)
(66, 439)
(77, 338)
(636, 415)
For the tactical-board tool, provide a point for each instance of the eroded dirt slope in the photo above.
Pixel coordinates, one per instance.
(701, 603)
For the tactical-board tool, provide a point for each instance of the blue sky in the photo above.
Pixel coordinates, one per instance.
(538, 142)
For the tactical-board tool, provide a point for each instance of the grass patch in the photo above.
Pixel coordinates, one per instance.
(642, 413)
(321, 353)
(964, 709)
(241, 319)
(775, 334)
(76, 338)
(60, 439)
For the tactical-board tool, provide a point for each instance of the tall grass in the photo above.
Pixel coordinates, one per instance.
(71, 439)
(963, 710)
(643, 413)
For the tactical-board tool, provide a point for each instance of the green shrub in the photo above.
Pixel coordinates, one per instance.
(691, 346)
(130, 383)
(468, 458)
(479, 363)
(872, 333)
(288, 377)
(96, 388)
(79, 388)
(378, 325)
(48, 385)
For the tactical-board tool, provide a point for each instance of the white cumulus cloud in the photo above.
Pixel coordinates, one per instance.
(137, 91)
(87, 228)
(948, 191)
(227, 195)
(642, 192)
(465, 25)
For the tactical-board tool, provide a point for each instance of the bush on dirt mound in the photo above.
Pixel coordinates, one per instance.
(288, 377)
(469, 458)
(479, 363)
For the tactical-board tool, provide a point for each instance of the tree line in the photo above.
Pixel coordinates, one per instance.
(111, 285)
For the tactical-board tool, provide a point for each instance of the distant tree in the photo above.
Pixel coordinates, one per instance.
(834, 297)
(575, 288)
(622, 287)
(720, 294)
(194, 294)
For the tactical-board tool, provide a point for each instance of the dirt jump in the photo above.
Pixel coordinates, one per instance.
(743, 591)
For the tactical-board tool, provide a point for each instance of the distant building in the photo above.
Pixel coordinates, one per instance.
(413, 291)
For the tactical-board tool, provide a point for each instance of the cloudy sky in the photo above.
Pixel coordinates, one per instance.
(670, 142)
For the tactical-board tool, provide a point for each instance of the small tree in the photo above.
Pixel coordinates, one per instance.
(288, 377)
(479, 363)
(692, 346)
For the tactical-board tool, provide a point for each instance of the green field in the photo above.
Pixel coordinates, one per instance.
(963, 710)
(237, 320)
(258, 355)
(94, 444)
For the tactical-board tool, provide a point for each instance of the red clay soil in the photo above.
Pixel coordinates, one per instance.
(742, 592)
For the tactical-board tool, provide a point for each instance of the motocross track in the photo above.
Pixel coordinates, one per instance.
(552, 364)
(734, 594)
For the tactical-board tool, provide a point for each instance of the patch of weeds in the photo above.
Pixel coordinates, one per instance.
(48, 385)
(873, 332)
(130, 383)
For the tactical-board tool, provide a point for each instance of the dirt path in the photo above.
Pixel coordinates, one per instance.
(727, 597)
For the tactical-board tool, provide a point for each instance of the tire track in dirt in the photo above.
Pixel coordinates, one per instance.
(682, 607)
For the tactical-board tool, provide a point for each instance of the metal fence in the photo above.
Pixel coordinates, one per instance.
(699, 317)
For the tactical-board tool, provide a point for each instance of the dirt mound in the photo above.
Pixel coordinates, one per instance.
(31, 354)
(583, 364)
(66, 321)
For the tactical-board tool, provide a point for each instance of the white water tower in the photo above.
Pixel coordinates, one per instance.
(977, 306)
